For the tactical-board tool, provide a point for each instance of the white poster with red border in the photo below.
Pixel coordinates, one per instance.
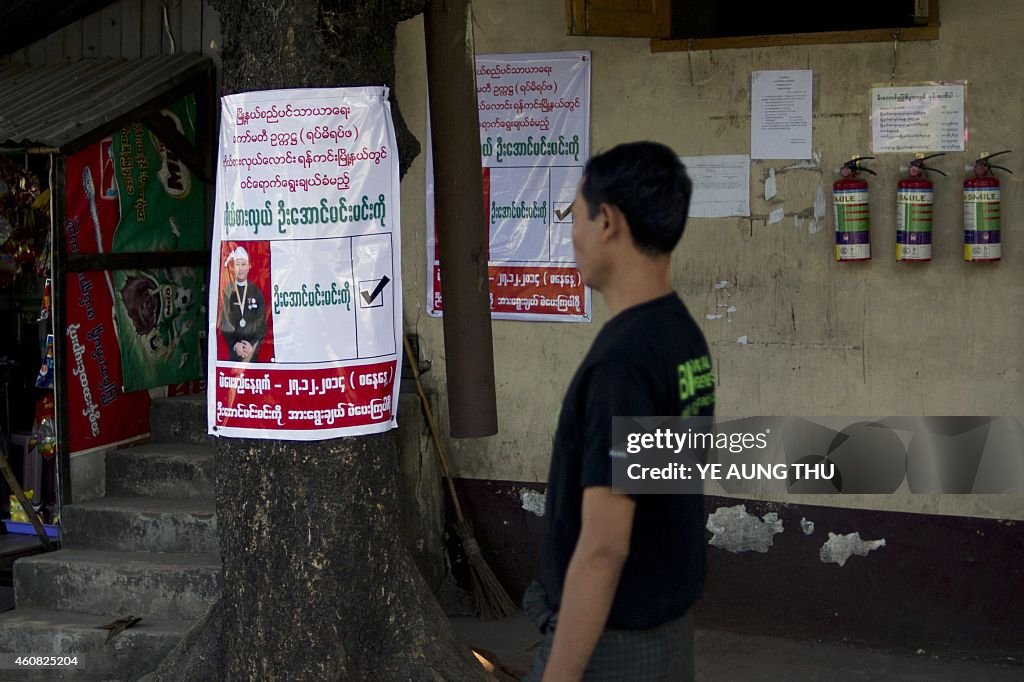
(305, 292)
(534, 141)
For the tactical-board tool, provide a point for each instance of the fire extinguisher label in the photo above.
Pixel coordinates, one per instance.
(982, 224)
(853, 224)
(914, 224)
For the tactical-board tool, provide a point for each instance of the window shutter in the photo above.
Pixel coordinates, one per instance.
(622, 18)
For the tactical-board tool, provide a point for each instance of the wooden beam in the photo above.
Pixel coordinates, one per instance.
(877, 35)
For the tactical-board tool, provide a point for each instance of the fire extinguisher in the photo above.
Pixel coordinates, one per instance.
(914, 198)
(982, 242)
(853, 222)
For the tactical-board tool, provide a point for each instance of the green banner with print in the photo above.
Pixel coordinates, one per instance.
(160, 314)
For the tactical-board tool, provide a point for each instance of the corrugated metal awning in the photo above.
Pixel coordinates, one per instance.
(53, 106)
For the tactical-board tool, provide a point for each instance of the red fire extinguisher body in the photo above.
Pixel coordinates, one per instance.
(853, 221)
(914, 200)
(982, 220)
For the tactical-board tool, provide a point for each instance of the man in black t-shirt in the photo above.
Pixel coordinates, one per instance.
(620, 573)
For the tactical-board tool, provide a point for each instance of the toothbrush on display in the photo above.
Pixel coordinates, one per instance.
(90, 194)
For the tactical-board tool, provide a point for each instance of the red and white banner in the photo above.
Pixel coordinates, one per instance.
(305, 294)
(534, 142)
(100, 413)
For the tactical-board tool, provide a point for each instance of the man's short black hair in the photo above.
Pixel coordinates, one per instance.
(649, 184)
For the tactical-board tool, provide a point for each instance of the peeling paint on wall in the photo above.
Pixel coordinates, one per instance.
(723, 284)
(819, 210)
(838, 548)
(806, 526)
(736, 530)
(770, 186)
(805, 164)
(533, 501)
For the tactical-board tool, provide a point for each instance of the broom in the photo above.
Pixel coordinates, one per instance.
(492, 601)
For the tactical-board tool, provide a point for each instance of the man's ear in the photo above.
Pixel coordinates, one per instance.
(614, 222)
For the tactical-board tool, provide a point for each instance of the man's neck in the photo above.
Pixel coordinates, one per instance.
(241, 282)
(643, 283)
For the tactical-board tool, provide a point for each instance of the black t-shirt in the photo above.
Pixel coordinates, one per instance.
(642, 363)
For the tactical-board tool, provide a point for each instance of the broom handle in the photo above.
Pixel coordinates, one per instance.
(12, 481)
(433, 428)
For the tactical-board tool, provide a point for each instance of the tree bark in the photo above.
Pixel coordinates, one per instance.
(317, 584)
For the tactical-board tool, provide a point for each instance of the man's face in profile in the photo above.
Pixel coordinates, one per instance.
(241, 269)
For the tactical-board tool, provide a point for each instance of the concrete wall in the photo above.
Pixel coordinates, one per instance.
(88, 476)
(824, 338)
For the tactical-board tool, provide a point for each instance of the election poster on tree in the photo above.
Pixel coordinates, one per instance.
(305, 291)
(534, 141)
(132, 329)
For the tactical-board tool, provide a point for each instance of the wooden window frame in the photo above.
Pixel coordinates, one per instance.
(581, 20)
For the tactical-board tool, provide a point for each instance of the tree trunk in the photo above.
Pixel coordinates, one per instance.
(317, 584)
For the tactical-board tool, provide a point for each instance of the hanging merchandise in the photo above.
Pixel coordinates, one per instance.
(42, 264)
(45, 378)
(23, 223)
(982, 242)
(853, 220)
(44, 442)
(914, 199)
(44, 308)
(46, 438)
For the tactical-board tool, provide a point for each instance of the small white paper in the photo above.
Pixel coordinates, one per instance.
(776, 215)
(918, 118)
(721, 185)
(780, 107)
(771, 188)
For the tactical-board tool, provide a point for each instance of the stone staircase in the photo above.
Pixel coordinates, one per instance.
(148, 549)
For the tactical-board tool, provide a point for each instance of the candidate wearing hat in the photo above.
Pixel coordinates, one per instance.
(243, 314)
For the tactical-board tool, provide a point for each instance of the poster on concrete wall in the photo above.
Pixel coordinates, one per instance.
(781, 114)
(534, 141)
(926, 117)
(721, 185)
(305, 288)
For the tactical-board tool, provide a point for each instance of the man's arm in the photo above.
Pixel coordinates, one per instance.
(258, 330)
(590, 581)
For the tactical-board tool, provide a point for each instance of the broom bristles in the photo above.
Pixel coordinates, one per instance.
(491, 598)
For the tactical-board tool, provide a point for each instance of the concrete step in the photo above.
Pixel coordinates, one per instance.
(118, 583)
(161, 470)
(142, 524)
(128, 656)
(181, 419)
